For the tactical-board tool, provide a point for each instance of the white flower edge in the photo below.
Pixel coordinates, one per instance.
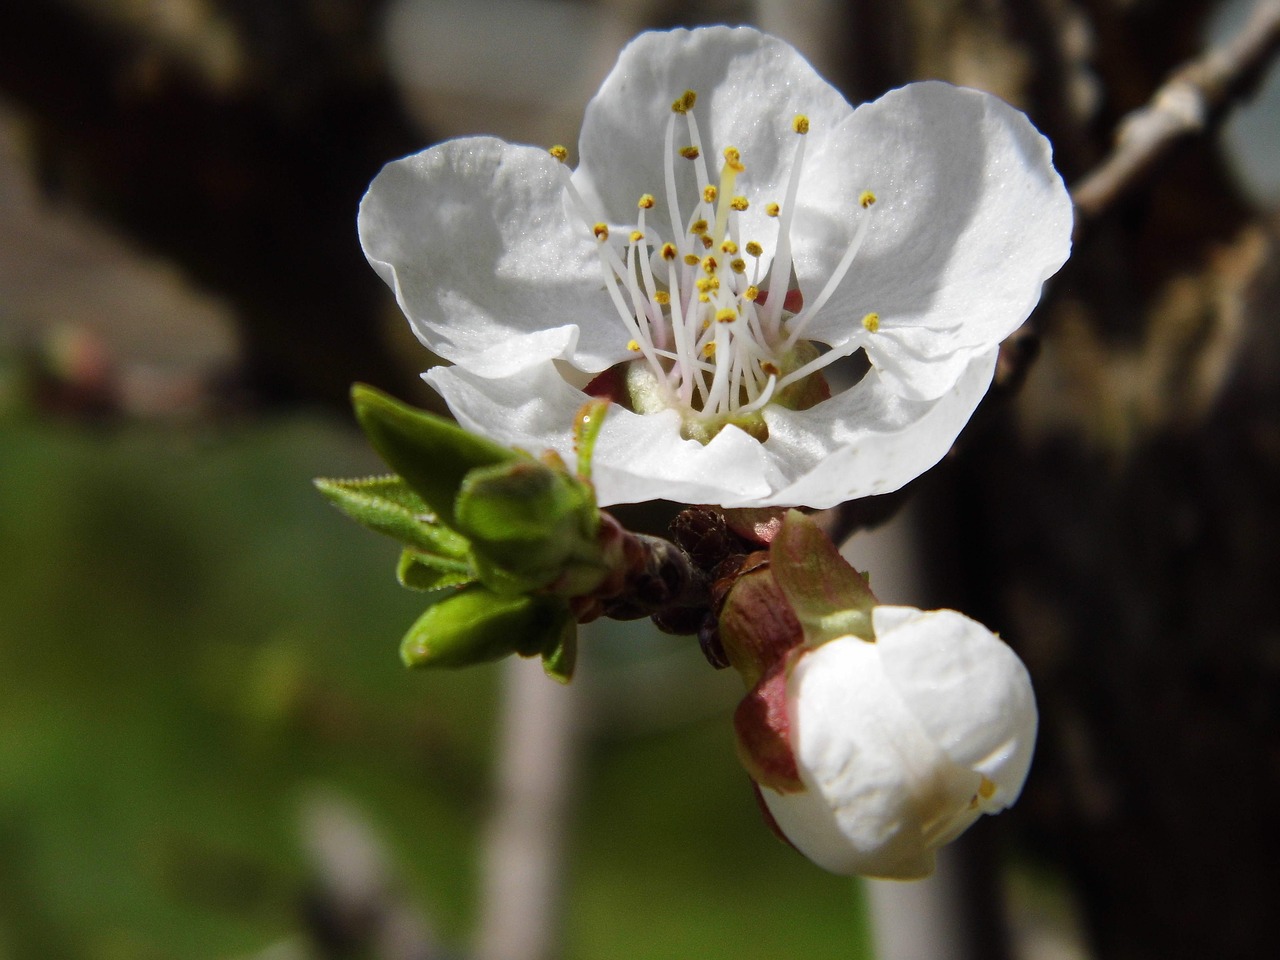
(903, 743)
(862, 442)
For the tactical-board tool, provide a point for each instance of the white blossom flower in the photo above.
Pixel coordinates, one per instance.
(732, 228)
(904, 742)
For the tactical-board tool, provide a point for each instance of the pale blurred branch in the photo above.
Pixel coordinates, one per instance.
(1186, 104)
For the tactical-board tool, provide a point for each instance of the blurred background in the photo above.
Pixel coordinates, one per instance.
(208, 747)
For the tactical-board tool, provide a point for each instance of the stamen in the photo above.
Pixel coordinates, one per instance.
(685, 102)
(669, 174)
(871, 323)
(813, 366)
(560, 152)
(695, 141)
(780, 274)
(765, 396)
(797, 324)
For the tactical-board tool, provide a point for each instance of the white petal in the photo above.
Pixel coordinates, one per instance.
(867, 440)
(637, 458)
(474, 238)
(971, 219)
(749, 88)
(967, 689)
(878, 790)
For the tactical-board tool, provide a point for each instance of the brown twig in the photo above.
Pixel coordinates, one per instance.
(1193, 97)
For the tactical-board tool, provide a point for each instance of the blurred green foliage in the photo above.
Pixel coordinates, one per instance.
(192, 642)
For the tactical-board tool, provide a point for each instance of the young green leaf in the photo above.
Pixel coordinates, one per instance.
(476, 625)
(390, 506)
(531, 521)
(431, 572)
(431, 453)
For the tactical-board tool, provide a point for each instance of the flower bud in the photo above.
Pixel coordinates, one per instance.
(902, 742)
(476, 625)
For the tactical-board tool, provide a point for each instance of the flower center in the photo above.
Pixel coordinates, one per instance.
(709, 313)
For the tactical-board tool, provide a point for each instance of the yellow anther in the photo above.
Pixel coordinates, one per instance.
(690, 153)
(560, 152)
(986, 789)
(704, 298)
(871, 322)
(661, 298)
(705, 324)
(669, 251)
(729, 247)
(703, 284)
(733, 159)
(726, 315)
(709, 264)
(699, 228)
(769, 369)
(754, 248)
(685, 103)
(751, 293)
(646, 201)
(691, 259)
(772, 209)
(866, 198)
(709, 193)
(800, 124)
(601, 230)
(739, 204)
(636, 236)
(708, 243)
(633, 346)
(710, 349)
(738, 265)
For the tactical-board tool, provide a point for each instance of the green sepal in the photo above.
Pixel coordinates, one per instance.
(476, 625)
(431, 453)
(559, 659)
(829, 597)
(425, 571)
(530, 525)
(390, 506)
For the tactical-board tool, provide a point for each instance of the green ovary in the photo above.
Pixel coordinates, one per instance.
(648, 395)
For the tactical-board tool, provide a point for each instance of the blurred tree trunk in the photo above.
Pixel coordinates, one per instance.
(1119, 524)
(239, 148)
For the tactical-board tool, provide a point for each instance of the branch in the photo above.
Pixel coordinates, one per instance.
(1194, 95)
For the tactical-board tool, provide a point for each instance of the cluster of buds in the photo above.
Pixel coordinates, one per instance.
(511, 550)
